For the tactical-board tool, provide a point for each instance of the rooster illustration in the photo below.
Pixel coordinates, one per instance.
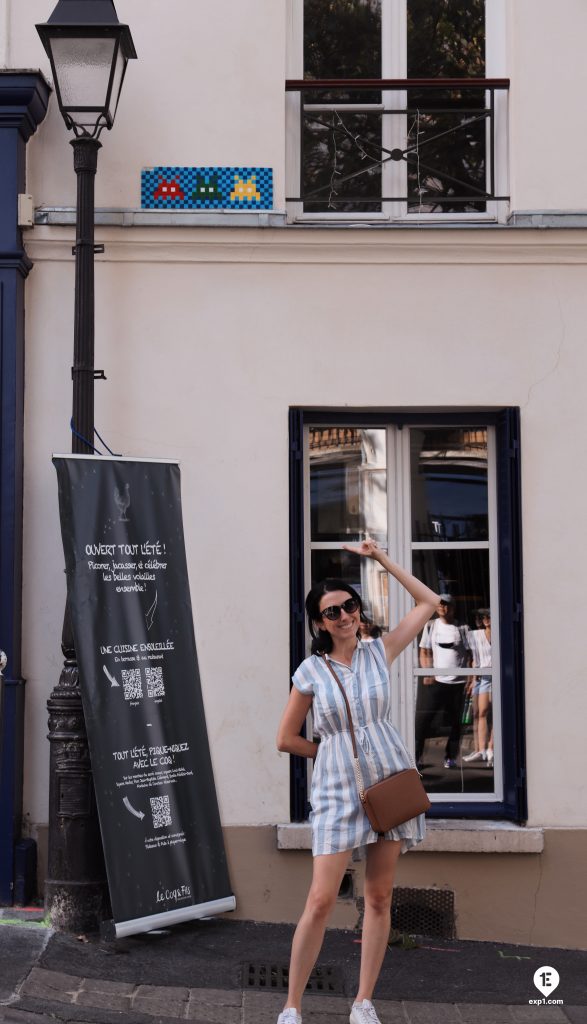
(122, 502)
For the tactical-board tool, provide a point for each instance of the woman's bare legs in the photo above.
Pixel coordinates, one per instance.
(382, 858)
(328, 871)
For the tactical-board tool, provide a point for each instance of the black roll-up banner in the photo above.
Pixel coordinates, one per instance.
(129, 601)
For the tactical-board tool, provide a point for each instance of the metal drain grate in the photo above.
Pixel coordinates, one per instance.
(424, 912)
(327, 981)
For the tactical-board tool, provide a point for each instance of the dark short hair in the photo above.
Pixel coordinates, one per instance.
(321, 639)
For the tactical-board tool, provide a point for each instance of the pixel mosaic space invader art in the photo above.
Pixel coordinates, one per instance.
(207, 188)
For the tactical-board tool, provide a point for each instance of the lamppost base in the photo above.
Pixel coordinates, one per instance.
(76, 906)
(76, 891)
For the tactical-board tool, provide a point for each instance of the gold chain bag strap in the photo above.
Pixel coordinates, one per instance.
(394, 800)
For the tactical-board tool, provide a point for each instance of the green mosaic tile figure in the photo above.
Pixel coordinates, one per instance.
(207, 189)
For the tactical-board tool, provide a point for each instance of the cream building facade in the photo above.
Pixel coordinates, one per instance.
(235, 340)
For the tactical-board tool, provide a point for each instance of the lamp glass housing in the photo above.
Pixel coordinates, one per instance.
(88, 71)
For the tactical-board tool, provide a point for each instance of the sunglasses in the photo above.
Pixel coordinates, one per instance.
(333, 613)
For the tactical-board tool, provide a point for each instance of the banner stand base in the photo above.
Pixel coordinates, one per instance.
(111, 930)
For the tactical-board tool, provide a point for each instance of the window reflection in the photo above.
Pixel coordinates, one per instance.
(365, 575)
(446, 482)
(330, 142)
(463, 574)
(342, 39)
(348, 483)
(444, 649)
(348, 502)
(446, 39)
(449, 484)
(467, 774)
(453, 702)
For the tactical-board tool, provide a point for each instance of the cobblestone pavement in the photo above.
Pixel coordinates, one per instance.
(47, 995)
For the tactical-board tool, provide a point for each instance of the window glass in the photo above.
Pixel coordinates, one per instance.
(453, 699)
(342, 39)
(347, 484)
(341, 148)
(341, 154)
(440, 476)
(366, 576)
(454, 711)
(462, 574)
(446, 39)
(449, 485)
(348, 502)
(447, 168)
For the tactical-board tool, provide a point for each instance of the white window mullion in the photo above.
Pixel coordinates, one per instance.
(407, 656)
(496, 66)
(394, 65)
(293, 102)
(387, 126)
(399, 600)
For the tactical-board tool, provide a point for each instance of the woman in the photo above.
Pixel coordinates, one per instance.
(480, 689)
(339, 824)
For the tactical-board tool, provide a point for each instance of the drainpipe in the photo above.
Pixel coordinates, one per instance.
(24, 96)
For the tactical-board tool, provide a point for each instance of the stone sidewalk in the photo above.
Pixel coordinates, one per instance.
(47, 995)
(209, 971)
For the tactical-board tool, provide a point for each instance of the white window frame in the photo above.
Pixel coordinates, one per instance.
(400, 547)
(394, 65)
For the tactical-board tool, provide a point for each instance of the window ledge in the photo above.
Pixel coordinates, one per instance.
(444, 835)
(122, 217)
(127, 217)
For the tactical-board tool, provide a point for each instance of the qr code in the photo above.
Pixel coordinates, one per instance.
(155, 687)
(161, 811)
(131, 680)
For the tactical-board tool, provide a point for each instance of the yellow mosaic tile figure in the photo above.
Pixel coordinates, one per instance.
(245, 191)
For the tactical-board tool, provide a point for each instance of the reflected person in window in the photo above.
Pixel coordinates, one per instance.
(337, 624)
(444, 645)
(480, 688)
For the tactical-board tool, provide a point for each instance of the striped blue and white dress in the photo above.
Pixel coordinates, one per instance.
(338, 819)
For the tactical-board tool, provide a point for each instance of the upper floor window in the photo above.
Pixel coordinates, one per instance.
(404, 118)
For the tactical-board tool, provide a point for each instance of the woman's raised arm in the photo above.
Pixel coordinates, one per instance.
(426, 600)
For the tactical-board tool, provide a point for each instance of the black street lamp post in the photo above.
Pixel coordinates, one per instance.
(89, 50)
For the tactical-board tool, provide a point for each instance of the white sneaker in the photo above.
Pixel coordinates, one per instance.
(364, 1013)
(289, 1016)
(477, 755)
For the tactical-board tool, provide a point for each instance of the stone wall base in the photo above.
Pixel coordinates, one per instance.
(526, 898)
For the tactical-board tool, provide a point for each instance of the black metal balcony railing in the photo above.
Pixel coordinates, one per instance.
(436, 154)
